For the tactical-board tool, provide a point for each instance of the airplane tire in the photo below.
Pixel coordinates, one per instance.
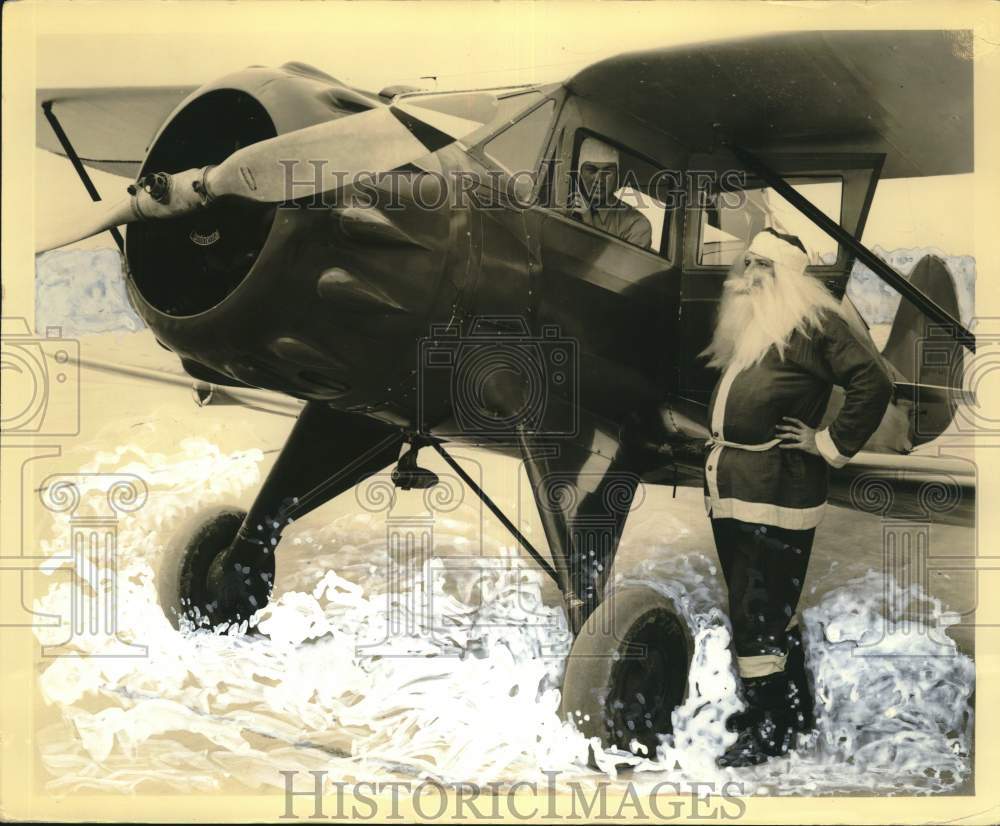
(183, 570)
(622, 687)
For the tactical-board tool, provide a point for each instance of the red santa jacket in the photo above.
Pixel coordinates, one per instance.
(757, 481)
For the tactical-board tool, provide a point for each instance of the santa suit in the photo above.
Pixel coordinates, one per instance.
(766, 501)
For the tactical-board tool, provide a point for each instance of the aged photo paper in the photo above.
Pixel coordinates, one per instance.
(513, 411)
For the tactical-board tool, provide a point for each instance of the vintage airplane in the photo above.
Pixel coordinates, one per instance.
(504, 323)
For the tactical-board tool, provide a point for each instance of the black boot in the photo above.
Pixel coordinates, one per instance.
(795, 667)
(768, 726)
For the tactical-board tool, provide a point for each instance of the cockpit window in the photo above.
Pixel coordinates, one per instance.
(732, 219)
(518, 149)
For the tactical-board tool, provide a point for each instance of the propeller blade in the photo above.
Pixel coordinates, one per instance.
(329, 155)
(298, 164)
(94, 219)
(142, 204)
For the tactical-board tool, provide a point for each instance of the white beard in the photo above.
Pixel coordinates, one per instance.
(750, 323)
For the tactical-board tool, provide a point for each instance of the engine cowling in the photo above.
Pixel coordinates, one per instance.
(322, 300)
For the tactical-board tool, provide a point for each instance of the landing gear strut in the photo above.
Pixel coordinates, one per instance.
(220, 567)
(628, 666)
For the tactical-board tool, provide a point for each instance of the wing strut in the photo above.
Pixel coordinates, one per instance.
(930, 308)
(78, 165)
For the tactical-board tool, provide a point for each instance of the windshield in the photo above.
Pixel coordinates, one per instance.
(511, 101)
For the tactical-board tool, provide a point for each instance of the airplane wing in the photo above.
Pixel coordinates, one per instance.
(111, 127)
(916, 487)
(907, 94)
(933, 484)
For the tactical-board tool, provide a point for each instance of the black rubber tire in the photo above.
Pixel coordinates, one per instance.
(183, 568)
(636, 676)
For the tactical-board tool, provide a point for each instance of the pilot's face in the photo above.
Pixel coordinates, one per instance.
(750, 273)
(598, 181)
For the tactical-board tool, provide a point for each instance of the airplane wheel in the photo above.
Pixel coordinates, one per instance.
(182, 579)
(628, 670)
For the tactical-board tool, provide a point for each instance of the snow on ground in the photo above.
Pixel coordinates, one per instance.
(327, 687)
(474, 701)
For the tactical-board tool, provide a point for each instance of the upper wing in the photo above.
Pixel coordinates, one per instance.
(907, 94)
(110, 128)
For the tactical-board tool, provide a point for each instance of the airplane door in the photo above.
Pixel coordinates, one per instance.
(731, 207)
(609, 296)
(616, 301)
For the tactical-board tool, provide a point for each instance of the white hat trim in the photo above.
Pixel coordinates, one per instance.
(780, 252)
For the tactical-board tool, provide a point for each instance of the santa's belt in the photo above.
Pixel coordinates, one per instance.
(760, 448)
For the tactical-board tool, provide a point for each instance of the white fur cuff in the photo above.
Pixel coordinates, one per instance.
(828, 450)
(761, 665)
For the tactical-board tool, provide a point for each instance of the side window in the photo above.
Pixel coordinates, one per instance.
(518, 149)
(634, 214)
(732, 219)
(654, 210)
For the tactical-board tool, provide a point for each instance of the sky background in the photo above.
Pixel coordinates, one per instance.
(490, 45)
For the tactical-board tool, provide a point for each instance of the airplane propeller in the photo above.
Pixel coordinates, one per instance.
(318, 158)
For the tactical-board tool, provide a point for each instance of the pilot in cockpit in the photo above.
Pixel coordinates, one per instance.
(595, 202)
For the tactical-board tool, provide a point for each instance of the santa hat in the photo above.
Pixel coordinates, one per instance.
(791, 256)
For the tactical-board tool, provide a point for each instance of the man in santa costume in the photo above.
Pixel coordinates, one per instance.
(781, 343)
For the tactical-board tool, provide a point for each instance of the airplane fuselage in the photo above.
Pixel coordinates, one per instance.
(395, 297)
